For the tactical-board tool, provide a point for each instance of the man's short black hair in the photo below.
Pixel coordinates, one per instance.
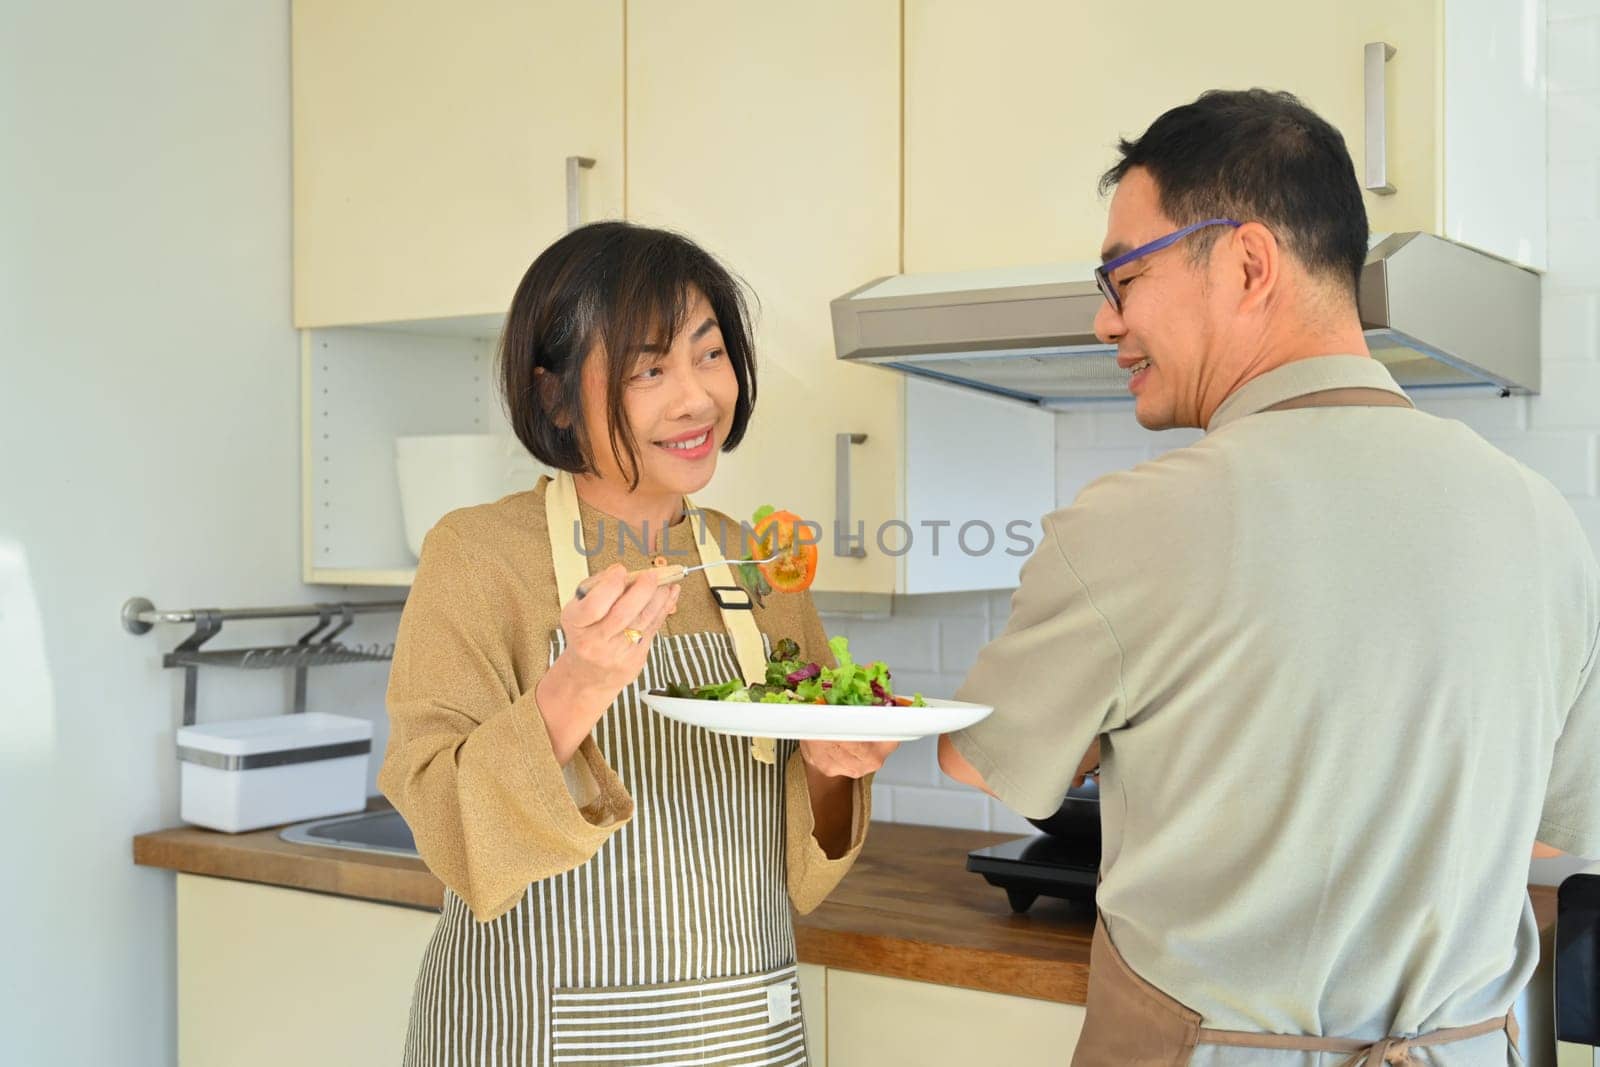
(1256, 156)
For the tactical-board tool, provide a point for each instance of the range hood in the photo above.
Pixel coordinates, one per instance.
(1440, 315)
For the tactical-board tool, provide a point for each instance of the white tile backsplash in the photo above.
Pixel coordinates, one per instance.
(913, 763)
(929, 683)
(1575, 189)
(959, 642)
(906, 649)
(1003, 820)
(957, 806)
(1557, 434)
(1573, 258)
(1490, 415)
(882, 802)
(1573, 48)
(1574, 129)
(1571, 327)
(1566, 459)
(1076, 468)
(1569, 397)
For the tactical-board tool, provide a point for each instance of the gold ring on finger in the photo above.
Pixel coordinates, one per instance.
(633, 635)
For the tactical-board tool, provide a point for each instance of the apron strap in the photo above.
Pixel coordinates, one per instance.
(741, 625)
(563, 517)
(1393, 1051)
(564, 520)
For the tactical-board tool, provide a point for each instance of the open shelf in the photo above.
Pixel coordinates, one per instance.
(361, 387)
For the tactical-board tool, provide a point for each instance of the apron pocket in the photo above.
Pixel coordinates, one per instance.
(751, 1019)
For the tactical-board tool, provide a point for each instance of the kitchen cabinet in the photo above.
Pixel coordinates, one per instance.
(360, 388)
(266, 973)
(874, 1020)
(269, 976)
(814, 148)
(1013, 111)
(770, 134)
(791, 178)
(781, 153)
(814, 1001)
(431, 145)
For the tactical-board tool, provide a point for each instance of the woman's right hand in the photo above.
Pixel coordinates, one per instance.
(601, 658)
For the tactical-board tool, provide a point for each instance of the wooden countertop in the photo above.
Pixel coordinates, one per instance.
(908, 909)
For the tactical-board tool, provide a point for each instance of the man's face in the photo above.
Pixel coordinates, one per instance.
(1166, 328)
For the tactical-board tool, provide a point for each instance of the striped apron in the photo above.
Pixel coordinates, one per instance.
(674, 944)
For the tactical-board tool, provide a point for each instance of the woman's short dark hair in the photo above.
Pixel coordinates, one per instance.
(614, 289)
(1257, 156)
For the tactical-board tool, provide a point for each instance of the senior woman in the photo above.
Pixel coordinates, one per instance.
(618, 885)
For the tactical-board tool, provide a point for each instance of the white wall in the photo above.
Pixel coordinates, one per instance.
(149, 428)
(1557, 433)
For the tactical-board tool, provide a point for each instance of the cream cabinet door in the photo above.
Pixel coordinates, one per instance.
(430, 147)
(770, 133)
(1014, 108)
(874, 1021)
(814, 1000)
(270, 976)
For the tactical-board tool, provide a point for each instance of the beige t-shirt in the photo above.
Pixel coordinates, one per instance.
(1342, 661)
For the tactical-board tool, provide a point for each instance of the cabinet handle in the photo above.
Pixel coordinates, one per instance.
(1378, 54)
(574, 164)
(841, 503)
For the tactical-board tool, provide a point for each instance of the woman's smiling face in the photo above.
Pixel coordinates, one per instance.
(679, 402)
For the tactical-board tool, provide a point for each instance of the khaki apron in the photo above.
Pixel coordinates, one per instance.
(674, 943)
(1131, 1023)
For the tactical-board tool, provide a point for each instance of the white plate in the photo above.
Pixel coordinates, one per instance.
(820, 722)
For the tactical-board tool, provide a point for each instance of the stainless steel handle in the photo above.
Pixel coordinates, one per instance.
(1378, 54)
(841, 503)
(574, 165)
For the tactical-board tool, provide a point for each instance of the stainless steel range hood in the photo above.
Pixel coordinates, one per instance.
(1439, 314)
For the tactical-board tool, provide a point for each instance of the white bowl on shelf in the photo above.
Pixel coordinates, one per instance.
(442, 472)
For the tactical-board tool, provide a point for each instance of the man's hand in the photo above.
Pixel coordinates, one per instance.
(1089, 766)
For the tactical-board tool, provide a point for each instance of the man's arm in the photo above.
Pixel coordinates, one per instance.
(1047, 707)
(1541, 851)
(954, 764)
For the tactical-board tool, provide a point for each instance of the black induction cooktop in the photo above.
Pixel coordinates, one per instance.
(1031, 867)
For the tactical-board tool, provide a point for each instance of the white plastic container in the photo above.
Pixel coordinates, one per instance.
(245, 775)
(441, 472)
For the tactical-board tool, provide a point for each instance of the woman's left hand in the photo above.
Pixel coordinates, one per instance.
(846, 759)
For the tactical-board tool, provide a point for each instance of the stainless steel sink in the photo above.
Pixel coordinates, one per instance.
(371, 831)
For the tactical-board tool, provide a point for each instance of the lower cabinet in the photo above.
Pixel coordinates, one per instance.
(874, 1020)
(814, 1001)
(270, 976)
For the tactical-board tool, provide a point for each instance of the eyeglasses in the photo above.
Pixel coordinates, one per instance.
(1102, 273)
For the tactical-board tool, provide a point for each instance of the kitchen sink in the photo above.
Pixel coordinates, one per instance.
(371, 831)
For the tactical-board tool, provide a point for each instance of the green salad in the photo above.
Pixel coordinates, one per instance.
(792, 680)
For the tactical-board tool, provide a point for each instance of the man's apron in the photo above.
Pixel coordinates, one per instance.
(1131, 1023)
(674, 943)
